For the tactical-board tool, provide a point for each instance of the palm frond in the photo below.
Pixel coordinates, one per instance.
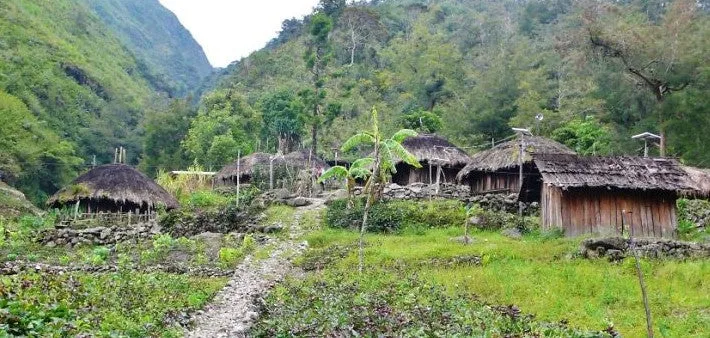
(337, 171)
(356, 140)
(362, 162)
(401, 135)
(360, 173)
(398, 150)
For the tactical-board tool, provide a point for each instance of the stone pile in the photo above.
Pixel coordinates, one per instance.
(698, 212)
(617, 248)
(280, 196)
(505, 203)
(493, 202)
(97, 235)
(417, 191)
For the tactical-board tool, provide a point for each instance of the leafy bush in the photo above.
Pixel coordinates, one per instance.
(100, 255)
(228, 257)
(382, 303)
(397, 215)
(125, 303)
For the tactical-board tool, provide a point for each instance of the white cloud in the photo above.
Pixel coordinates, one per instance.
(231, 29)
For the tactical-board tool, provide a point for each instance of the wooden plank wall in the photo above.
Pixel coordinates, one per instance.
(495, 182)
(599, 211)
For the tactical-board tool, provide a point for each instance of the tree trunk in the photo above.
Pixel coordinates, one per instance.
(370, 200)
(314, 131)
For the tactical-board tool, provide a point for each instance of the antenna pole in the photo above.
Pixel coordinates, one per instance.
(239, 172)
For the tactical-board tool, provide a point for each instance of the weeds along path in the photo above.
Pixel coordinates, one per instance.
(233, 310)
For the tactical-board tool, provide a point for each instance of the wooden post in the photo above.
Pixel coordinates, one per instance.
(438, 176)
(430, 179)
(520, 165)
(239, 172)
(312, 173)
(639, 273)
(76, 209)
(271, 173)
(115, 155)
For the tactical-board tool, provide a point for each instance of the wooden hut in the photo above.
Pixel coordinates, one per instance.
(700, 179)
(497, 170)
(246, 168)
(438, 157)
(588, 195)
(300, 160)
(113, 188)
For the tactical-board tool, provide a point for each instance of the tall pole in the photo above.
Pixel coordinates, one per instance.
(520, 178)
(645, 148)
(239, 172)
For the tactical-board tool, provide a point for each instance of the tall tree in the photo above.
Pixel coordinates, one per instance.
(282, 112)
(225, 125)
(662, 57)
(358, 26)
(317, 57)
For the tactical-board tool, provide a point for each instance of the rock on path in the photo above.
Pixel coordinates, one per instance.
(234, 309)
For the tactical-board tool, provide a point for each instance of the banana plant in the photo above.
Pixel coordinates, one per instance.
(386, 152)
(358, 170)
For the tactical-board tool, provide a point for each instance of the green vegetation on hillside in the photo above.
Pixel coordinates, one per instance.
(168, 56)
(483, 67)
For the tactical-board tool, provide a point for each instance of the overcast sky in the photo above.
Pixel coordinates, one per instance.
(231, 29)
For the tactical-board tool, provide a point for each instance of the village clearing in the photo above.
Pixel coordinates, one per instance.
(417, 281)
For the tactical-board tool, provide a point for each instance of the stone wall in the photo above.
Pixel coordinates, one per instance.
(97, 235)
(493, 202)
(698, 212)
(617, 248)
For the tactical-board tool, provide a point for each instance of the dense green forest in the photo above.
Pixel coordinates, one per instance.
(73, 87)
(598, 71)
(90, 78)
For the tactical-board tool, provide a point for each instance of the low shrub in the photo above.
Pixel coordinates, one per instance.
(396, 215)
(382, 303)
(121, 304)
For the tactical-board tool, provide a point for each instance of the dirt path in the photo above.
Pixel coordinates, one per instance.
(233, 310)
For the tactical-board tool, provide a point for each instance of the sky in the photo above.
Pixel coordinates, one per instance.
(228, 30)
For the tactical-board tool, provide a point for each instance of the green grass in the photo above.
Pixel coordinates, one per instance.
(279, 214)
(544, 277)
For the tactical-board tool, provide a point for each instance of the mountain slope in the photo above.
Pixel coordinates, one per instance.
(174, 61)
(484, 67)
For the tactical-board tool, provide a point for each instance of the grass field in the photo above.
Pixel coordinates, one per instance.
(544, 277)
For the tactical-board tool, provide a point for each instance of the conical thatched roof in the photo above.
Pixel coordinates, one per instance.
(505, 155)
(435, 149)
(300, 158)
(115, 182)
(700, 179)
(247, 165)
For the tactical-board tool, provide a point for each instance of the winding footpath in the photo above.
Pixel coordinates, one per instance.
(234, 309)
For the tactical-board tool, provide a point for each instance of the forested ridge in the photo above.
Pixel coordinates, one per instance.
(74, 85)
(597, 72)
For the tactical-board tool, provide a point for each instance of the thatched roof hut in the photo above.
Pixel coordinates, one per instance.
(260, 164)
(248, 166)
(506, 155)
(436, 155)
(610, 195)
(434, 149)
(114, 188)
(700, 179)
(300, 159)
(497, 169)
(618, 172)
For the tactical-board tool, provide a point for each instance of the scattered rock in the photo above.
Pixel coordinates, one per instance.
(513, 233)
(617, 248)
